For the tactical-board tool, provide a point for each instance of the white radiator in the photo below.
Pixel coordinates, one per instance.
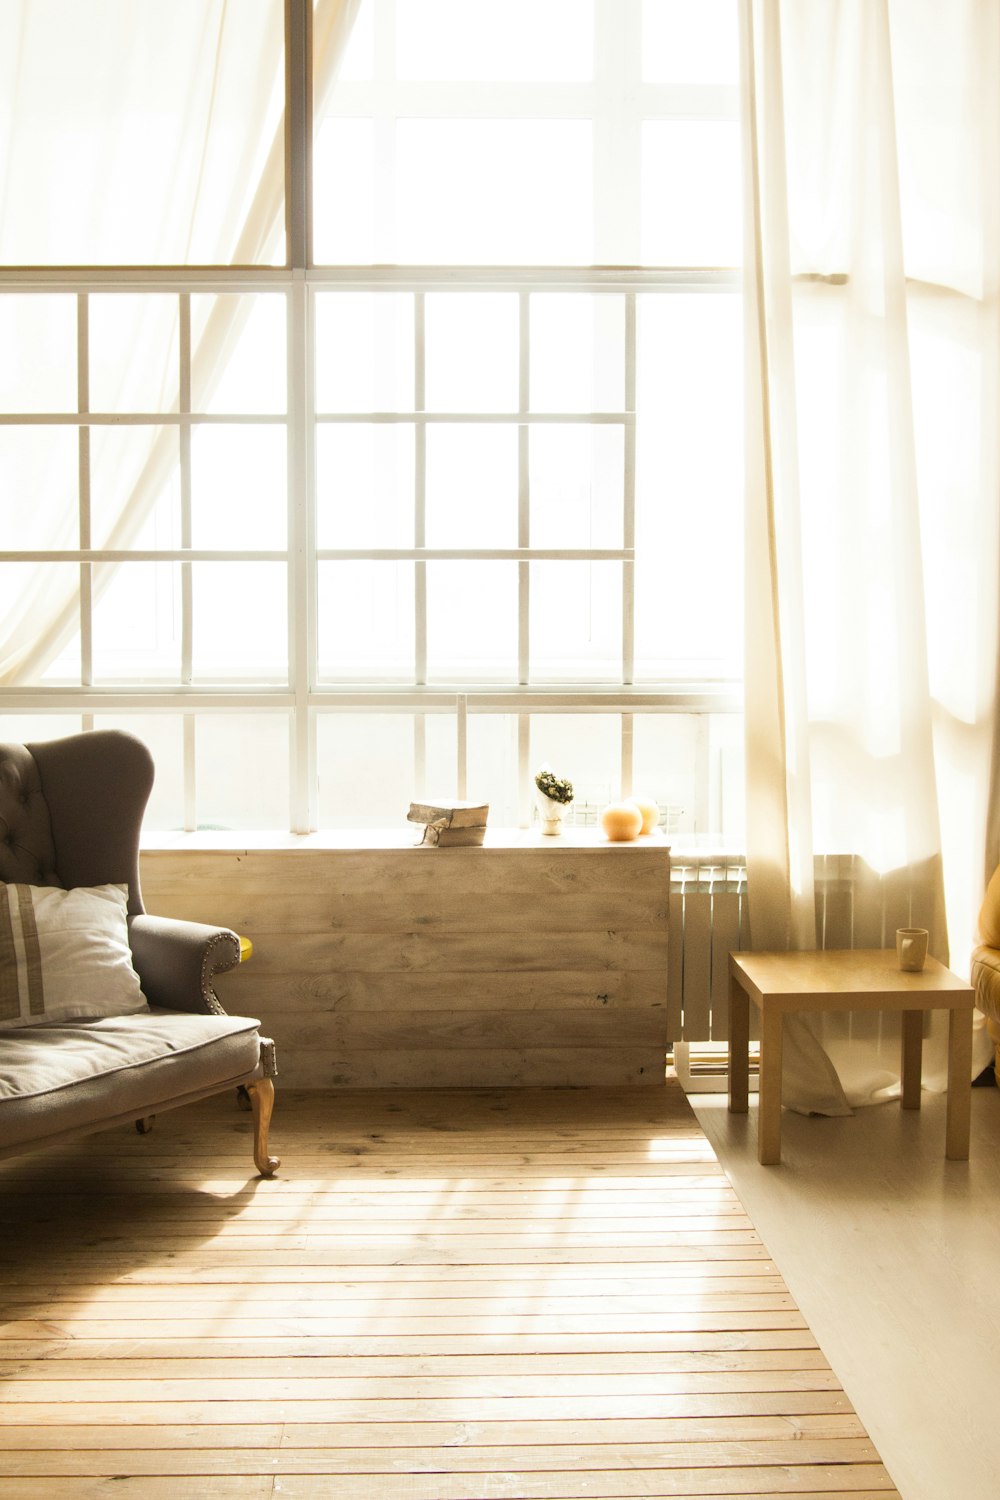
(856, 907)
(708, 921)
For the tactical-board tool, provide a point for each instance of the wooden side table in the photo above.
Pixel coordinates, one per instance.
(848, 979)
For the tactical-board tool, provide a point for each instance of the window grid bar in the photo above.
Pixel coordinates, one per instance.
(141, 419)
(187, 530)
(419, 756)
(142, 554)
(190, 776)
(324, 554)
(705, 698)
(525, 778)
(86, 601)
(298, 132)
(628, 516)
(301, 560)
(479, 418)
(523, 488)
(420, 488)
(627, 736)
(462, 743)
(458, 278)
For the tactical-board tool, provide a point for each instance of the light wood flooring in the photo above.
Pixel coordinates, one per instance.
(893, 1255)
(443, 1296)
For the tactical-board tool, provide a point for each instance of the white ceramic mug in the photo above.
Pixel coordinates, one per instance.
(911, 948)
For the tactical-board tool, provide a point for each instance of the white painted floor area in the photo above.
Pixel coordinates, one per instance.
(893, 1256)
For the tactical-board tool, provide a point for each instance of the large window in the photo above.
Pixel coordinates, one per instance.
(455, 490)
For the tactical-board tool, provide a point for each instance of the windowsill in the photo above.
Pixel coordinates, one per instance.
(238, 839)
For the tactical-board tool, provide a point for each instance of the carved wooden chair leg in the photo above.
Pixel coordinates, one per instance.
(262, 1098)
(145, 1125)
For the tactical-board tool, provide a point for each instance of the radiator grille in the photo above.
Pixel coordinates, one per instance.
(856, 907)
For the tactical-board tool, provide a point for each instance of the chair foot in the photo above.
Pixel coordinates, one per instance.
(145, 1125)
(262, 1100)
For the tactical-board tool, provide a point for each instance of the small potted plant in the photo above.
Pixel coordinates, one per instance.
(553, 795)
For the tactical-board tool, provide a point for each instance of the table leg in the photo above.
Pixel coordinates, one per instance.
(912, 1050)
(739, 1048)
(772, 1024)
(958, 1118)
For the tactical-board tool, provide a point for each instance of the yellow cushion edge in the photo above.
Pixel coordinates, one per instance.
(989, 913)
(986, 980)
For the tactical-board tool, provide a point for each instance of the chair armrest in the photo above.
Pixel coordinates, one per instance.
(176, 961)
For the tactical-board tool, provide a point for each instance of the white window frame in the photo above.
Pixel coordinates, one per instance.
(301, 698)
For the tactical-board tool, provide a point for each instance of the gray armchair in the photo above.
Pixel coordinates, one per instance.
(70, 816)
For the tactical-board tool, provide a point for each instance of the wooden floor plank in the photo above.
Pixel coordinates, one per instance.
(391, 1435)
(446, 1295)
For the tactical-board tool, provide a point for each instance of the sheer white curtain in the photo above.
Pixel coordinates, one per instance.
(871, 134)
(207, 188)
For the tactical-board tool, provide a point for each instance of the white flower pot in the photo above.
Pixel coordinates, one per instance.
(551, 814)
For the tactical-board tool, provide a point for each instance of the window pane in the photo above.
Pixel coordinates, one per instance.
(521, 41)
(577, 477)
(344, 171)
(689, 486)
(239, 483)
(685, 43)
(494, 192)
(134, 361)
(472, 352)
(142, 130)
(242, 770)
(691, 195)
(358, 61)
(38, 487)
(135, 487)
(472, 621)
(576, 621)
(137, 622)
(366, 621)
(586, 749)
(471, 486)
(366, 770)
(40, 623)
(364, 485)
(240, 622)
(251, 376)
(577, 352)
(364, 351)
(491, 760)
(367, 764)
(692, 765)
(25, 729)
(37, 353)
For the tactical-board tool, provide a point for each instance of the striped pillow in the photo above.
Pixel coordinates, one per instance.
(64, 955)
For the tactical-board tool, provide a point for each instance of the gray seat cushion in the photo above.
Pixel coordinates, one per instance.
(75, 1074)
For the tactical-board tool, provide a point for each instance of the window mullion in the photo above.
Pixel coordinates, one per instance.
(420, 487)
(524, 540)
(628, 516)
(184, 433)
(84, 497)
(301, 571)
(190, 729)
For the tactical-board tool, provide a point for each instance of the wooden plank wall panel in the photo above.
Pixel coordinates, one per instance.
(502, 965)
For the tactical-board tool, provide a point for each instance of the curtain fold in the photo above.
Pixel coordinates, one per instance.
(37, 622)
(869, 128)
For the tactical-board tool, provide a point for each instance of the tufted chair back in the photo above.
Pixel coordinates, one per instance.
(71, 811)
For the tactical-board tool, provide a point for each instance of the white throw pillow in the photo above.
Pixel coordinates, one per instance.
(64, 955)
